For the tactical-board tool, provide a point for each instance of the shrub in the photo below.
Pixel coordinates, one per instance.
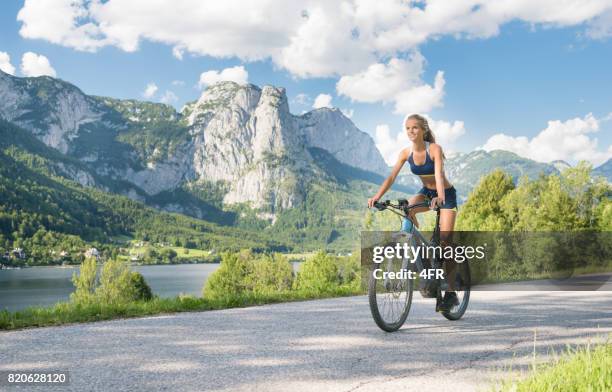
(232, 276)
(271, 273)
(84, 282)
(116, 285)
(318, 274)
(142, 291)
(168, 255)
(349, 269)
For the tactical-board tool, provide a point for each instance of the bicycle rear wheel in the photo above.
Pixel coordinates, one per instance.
(462, 288)
(391, 296)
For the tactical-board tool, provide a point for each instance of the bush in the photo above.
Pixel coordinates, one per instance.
(142, 291)
(85, 282)
(271, 273)
(244, 273)
(349, 269)
(319, 274)
(150, 255)
(168, 255)
(117, 284)
(231, 278)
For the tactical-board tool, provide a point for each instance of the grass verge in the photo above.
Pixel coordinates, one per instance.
(584, 369)
(67, 312)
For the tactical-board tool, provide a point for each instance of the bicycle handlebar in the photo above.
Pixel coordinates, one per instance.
(402, 204)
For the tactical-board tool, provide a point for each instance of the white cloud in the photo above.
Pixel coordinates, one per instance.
(235, 74)
(421, 99)
(150, 90)
(601, 26)
(5, 63)
(446, 134)
(302, 99)
(382, 82)
(322, 43)
(397, 81)
(178, 83)
(322, 101)
(309, 39)
(169, 97)
(63, 22)
(569, 141)
(33, 64)
(178, 52)
(388, 145)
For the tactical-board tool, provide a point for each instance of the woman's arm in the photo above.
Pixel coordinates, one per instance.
(403, 157)
(436, 154)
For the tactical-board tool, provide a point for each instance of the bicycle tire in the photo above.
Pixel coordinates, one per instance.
(456, 312)
(376, 288)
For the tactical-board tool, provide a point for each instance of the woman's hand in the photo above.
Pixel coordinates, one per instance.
(372, 200)
(437, 201)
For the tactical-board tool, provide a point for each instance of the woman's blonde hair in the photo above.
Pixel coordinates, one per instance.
(428, 135)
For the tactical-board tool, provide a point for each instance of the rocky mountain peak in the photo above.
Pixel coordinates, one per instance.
(222, 95)
(331, 130)
(242, 139)
(50, 108)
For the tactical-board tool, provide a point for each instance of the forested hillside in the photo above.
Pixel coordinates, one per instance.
(42, 210)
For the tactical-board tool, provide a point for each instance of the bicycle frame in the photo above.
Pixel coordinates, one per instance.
(384, 298)
(411, 229)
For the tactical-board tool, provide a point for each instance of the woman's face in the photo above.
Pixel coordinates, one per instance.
(413, 130)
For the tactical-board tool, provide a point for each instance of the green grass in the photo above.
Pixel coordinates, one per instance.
(188, 253)
(67, 312)
(584, 369)
(181, 253)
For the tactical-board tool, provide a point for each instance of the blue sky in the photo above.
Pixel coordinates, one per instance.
(511, 82)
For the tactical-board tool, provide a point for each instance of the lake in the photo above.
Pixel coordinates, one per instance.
(44, 286)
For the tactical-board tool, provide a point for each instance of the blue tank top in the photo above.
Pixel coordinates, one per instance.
(427, 168)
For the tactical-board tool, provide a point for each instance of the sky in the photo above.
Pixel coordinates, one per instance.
(532, 77)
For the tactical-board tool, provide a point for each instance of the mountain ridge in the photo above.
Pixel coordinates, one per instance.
(241, 137)
(236, 156)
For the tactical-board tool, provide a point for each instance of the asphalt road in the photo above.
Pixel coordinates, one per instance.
(323, 345)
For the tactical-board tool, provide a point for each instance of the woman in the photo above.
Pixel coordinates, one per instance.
(425, 158)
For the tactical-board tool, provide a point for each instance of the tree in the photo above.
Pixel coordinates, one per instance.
(271, 273)
(318, 274)
(231, 278)
(483, 210)
(168, 255)
(85, 282)
(116, 283)
(557, 210)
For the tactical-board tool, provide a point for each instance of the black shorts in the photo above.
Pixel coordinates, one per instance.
(450, 196)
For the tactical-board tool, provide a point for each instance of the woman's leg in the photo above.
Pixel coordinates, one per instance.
(447, 224)
(418, 198)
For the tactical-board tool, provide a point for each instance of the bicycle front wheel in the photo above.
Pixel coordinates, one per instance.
(390, 293)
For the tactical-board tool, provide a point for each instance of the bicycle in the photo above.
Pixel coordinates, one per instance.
(390, 297)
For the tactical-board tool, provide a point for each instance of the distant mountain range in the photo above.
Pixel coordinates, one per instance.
(605, 170)
(236, 157)
(464, 170)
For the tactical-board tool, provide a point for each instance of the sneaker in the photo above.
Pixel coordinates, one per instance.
(450, 300)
